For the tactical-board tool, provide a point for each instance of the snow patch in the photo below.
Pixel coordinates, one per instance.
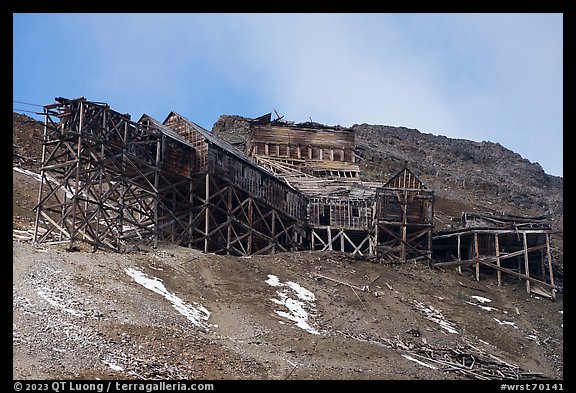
(69, 192)
(113, 366)
(272, 280)
(506, 323)
(197, 314)
(301, 292)
(27, 173)
(485, 308)
(481, 299)
(296, 307)
(54, 302)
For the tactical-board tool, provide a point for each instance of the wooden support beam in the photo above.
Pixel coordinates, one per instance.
(526, 262)
(386, 228)
(490, 260)
(477, 257)
(191, 215)
(207, 210)
(315, 235)
(515, 274)
(404, 205)
(273, 230)
(541, 266)
(250, 220)
(156, 184)
(77, 174)
(550, 267)
(459, 256)
(229, 209)
(497, 245)
(357, 249)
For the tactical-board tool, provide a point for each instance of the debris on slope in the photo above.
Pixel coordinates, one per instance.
(466, 359)
(435, 315)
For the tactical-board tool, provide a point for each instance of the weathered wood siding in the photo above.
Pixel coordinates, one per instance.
(216, 157)
(196, 139)
(257, 182)
(177, 157)
(340, 213)
(389, 204)
(302, 143)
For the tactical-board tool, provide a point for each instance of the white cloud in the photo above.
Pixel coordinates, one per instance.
(495, 77)
(474, 76)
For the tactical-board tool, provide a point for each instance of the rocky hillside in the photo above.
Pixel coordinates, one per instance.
(483, 173)
(26, 141)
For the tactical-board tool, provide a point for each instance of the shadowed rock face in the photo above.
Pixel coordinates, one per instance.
(233, 129)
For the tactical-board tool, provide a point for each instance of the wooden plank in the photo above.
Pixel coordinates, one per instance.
(273, 230)
(476, 256)
(497, 245)
(550, 267)
(490, 231)
(541, 292)
(489, 259)
(357, 248)
(526, 262)
(513, 273)
(339, 282)
(459, 256)
(455, 263)
(206, 211)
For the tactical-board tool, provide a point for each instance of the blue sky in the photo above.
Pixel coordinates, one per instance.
(483, 77)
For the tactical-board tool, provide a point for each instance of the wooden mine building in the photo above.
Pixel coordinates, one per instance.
(116, 183)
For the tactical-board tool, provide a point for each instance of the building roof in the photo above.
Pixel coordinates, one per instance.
(214, 140)
(333, 188)
(405, 179)
(165, 130)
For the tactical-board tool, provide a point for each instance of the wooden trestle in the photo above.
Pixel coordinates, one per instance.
(116, 183)
(518, 247)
